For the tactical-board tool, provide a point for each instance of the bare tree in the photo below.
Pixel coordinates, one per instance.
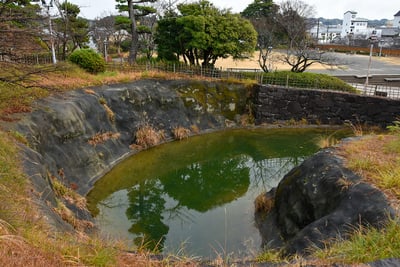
(263, 14)
(302, 56)
(146, 38)
(293, 19)
(102, 32)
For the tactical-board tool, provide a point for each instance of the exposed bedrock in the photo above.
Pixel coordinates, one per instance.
(76, 137)
(317, 201)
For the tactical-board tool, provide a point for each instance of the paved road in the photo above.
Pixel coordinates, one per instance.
(358, 65)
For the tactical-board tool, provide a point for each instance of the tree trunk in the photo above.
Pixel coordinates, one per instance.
(135, 36)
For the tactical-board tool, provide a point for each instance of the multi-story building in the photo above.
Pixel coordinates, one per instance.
(354, 26)
(396, 20)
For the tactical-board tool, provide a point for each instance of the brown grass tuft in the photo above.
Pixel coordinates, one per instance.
(356, 128)
(180, 133)
(263, 203)
(90, 92)
(110, 113)
(101, 138)
(147, 136)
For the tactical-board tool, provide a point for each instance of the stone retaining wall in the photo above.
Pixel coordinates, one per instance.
(274, 104)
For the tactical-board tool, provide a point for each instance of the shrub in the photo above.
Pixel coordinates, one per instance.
(307, 80)
(89, 60)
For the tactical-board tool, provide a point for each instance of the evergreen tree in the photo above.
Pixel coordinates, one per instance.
(136, 9)
(202, 33)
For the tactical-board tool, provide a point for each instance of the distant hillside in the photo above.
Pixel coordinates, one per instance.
(330, 21)
(377, 23)
(371, 23)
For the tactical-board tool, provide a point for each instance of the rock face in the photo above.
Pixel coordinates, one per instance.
(317, 201)
(78, 136)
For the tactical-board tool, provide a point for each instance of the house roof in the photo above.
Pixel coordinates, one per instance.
(397, 14)
(390, 32)
(352, 12)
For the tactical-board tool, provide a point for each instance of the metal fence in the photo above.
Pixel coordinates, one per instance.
(31, 59)
(378, 90)
(220, 73)
(254, 74)
(180, 68)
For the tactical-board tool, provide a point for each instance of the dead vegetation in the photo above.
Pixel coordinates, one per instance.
(180, 132)
(146, 136)
(101, 138)
(264, 203)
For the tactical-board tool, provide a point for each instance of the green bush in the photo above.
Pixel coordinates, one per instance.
(89, 60)
(307, 80)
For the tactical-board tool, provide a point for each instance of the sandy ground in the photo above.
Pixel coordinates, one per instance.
(252, 63)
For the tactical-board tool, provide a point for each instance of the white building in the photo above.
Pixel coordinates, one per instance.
(396, 21)
(354, 26)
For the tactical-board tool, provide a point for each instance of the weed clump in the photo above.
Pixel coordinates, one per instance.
(146, 136)
(264, 203)
(181, 133)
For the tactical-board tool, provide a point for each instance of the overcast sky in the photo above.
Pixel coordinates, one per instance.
(370, 9)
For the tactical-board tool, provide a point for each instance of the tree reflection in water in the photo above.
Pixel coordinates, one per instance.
(146, 205)
(181, 190)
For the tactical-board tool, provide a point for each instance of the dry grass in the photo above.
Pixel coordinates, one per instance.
(326, 141)
(356, 128)
(101, 138)
(374, 159)
(110, 113)
(180, 133)
(16, 251)
(146, 136)
(90, 92)
(263, 203)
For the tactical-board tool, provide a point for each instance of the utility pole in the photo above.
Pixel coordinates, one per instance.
(369, 66)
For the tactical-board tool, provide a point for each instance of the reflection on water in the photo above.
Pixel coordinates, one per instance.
(198, 193)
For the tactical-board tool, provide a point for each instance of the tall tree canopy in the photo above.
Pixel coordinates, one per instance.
(136, 9)
(202, 33)
(71, 30)
(20, 27)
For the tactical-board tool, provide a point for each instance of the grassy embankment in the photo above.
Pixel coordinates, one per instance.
(26, 240)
